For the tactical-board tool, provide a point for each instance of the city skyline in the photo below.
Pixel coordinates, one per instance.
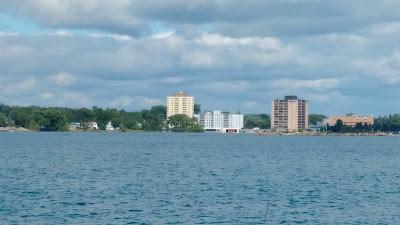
(341, 56)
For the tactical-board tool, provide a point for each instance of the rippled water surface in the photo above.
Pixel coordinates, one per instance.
(164, 178)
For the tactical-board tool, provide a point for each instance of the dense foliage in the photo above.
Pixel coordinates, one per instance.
(314, 119)
(3, 120)
(154, 119)
(261, 121)
(183, 123)
(58, 119)
(197, 108)
(340, 127)
(389, 123)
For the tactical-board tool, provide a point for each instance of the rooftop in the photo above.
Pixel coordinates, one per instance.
(181, 94)
(291, 97)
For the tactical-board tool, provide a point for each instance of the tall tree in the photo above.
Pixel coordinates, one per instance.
(197, 108)
(3, 120)
(314, 119)
(183, 123)
(262, 121)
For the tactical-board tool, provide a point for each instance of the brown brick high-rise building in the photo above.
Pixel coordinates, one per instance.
(289, 114)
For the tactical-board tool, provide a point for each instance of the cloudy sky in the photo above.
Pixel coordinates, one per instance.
(343, 56)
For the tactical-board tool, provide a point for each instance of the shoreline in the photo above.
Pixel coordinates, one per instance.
(300, 134)
(377, 134)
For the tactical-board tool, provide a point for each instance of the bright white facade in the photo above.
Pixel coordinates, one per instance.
(180, 103)
(91, 125)
(221, 121)
(109, 127)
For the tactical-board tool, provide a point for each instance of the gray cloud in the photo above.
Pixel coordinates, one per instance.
(231, 17)
(343, 56)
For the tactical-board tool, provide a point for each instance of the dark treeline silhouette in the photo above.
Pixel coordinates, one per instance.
(58, 118)
(153, 119)
(261, 121)
(389, 123)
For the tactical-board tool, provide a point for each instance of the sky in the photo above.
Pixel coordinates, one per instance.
(342, 56)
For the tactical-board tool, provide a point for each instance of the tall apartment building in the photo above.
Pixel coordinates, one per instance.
(180, 103)
(289, 114)
(221, 121)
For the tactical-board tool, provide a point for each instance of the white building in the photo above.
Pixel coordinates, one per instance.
(109, 127)
(221, 121)
(91, 125)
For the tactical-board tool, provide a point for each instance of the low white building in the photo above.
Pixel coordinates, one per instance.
(74, 126)
(91, 125)
(109, 127)
(224, 122)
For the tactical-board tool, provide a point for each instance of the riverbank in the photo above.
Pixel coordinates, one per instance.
(375, 134)
(14, 129)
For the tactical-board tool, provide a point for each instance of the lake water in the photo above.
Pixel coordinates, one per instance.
(167, 178)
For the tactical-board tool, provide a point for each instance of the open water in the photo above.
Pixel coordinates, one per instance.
(169, 178)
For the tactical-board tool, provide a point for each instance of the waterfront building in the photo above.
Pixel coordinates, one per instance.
(109, 127)
(74, 126)
(91, 125)
(180, 103)
(289, 114)
(219, 121)
(350, 120)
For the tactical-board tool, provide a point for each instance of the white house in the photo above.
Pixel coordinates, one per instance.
(91, 125)
(109, 127)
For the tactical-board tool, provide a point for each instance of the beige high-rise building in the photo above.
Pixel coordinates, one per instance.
(289, 114)
(180, 103)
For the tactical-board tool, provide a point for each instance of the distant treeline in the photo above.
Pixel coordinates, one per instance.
(389, 123)
(153, 119)
(58, 119)
(263, 121)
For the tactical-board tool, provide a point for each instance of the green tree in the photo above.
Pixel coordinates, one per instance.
(133, 120)
(3, 120)
(262, 121)
(21, 117)
(314, 119)
(338, 127)
(54, 121)
(183, 123)
(197, 108)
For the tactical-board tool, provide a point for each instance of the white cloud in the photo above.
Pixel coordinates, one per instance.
(261, 42)
(173, 80)
(124, 101)
(74, 98)
(138, 102)
(47, 96)
(63, 79)
(391, 28)
(20, 88)
(162, 35)
(228, 86)
(116, 37)
(299, 85)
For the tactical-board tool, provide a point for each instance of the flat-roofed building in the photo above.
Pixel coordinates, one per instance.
(351, 120)
(180, 103)
(289, 114)
(221, 121)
